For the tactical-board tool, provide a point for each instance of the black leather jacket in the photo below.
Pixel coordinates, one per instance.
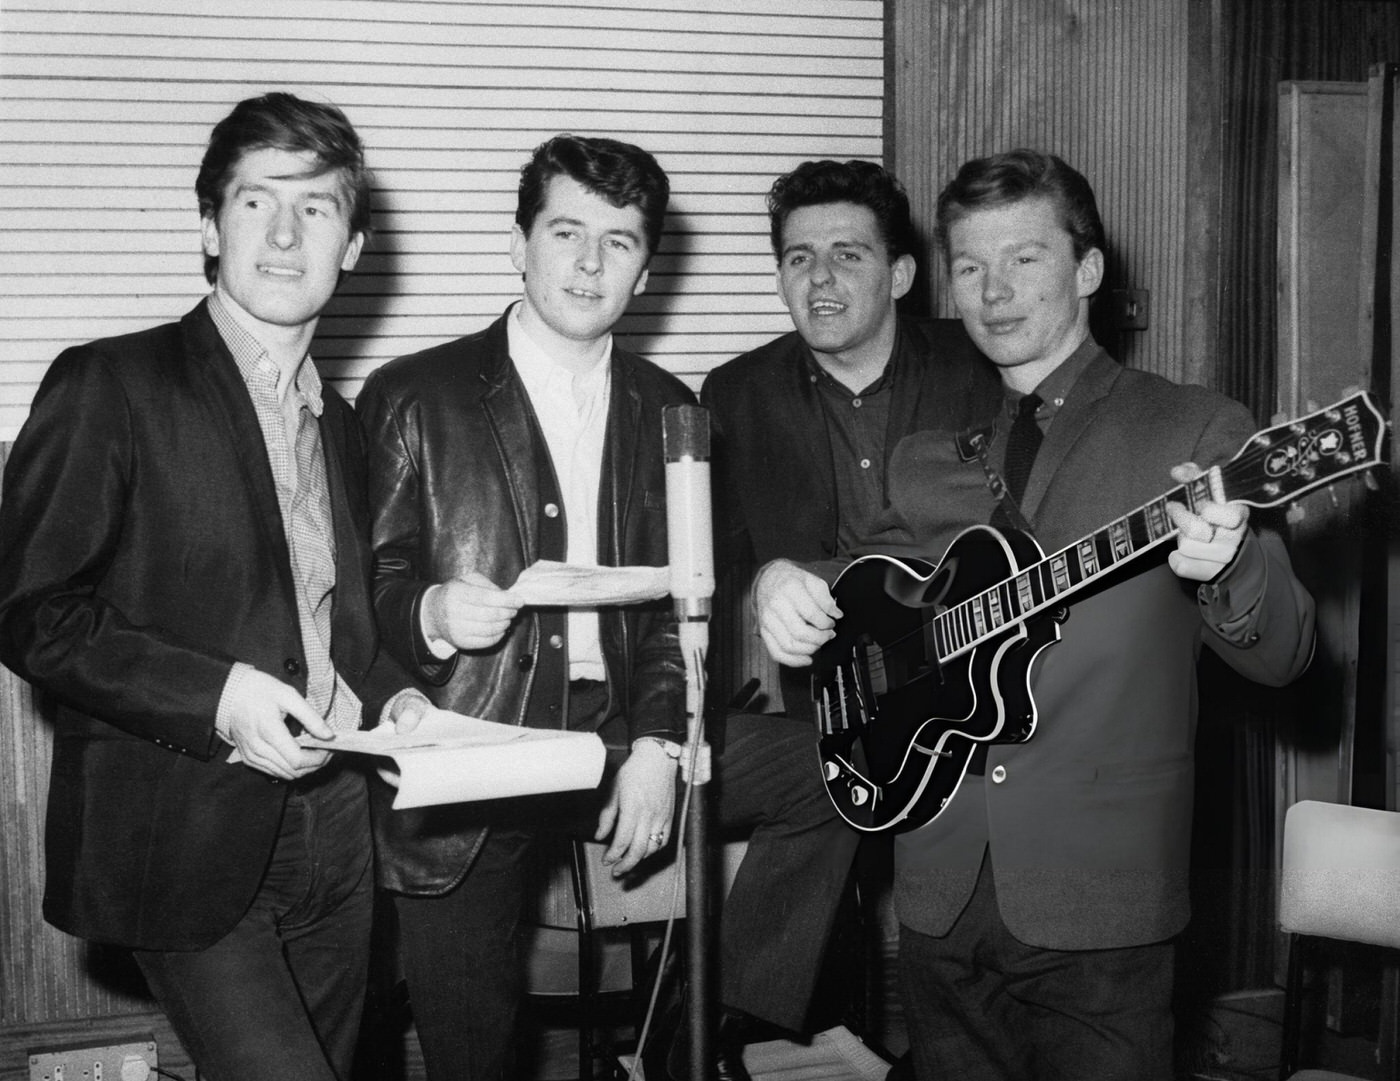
(460, 480)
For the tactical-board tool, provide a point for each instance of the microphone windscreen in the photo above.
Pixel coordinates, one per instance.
(685, 432)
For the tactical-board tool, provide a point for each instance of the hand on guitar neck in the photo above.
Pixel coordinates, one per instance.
(1207, 542)
(796, 612)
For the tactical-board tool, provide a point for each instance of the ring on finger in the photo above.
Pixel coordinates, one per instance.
(657, 839)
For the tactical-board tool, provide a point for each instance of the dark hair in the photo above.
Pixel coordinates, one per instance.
(623, 174)
(815, 183)
(1016, 175)
(283, 121)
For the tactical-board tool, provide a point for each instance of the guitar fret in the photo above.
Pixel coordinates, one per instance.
(1158, 524)
(1059, 572)
(940, 636)
(964, 624)
(996, 613)
(1025, 598)
(1120, 540)
(979, 615)
(1088, 557)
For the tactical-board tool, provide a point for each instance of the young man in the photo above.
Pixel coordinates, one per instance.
(1037, 911)
(184, 567)
(805, 424)
(539, 438)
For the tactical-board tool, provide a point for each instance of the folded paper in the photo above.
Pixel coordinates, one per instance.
(452, 758)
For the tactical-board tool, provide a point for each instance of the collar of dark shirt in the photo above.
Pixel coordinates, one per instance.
(882, 382)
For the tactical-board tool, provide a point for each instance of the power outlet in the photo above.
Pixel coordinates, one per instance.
(132, 1060)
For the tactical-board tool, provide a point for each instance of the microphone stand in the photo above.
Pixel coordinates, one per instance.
(694, 638)
(686, 444)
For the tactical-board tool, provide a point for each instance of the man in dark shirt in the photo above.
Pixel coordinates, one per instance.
(805, 423)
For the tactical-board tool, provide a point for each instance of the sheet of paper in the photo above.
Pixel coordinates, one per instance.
(551, 584)
(452, 758)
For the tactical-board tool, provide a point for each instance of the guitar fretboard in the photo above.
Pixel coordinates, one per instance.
(1042, 585)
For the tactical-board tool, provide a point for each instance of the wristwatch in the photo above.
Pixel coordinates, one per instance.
(670, 746)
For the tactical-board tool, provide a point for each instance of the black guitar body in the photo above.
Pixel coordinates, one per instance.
(899, 725)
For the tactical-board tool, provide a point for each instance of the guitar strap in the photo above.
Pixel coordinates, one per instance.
(976, 443)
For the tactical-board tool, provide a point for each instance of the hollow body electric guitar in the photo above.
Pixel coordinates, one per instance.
(930, 661)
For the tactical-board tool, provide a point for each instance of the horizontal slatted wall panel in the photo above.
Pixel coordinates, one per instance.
(105, 106)
(1101, 83)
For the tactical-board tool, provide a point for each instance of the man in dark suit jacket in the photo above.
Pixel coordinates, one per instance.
(1037, 910)
(185, 572)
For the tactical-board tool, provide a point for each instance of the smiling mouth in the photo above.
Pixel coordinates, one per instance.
(826, 307)
(279, 271)
(584, 294)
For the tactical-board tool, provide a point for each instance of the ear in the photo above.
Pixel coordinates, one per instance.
(517, 248)
(209, 236)
(902, 272)
(641, 286)
(1090, 272)
(352, 253)
(782, 289)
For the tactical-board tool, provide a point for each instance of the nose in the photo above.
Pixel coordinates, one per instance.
(995, 287)
(590, 258)
(284, 231)
(819, 270)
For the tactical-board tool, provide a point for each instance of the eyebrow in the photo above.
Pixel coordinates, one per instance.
(245, 186)
(563, 219)
(839, 244)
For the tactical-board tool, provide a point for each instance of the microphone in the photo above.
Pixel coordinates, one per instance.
(685, 434)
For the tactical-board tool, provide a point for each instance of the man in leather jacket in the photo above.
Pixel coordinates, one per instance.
(538, 438)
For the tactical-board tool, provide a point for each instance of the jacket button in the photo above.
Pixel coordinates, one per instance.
(556, 641)
(526, 662)
(551, 510)
(998, 774)
(291, 666)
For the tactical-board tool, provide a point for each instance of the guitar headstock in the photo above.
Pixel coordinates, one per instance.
(1282, 463)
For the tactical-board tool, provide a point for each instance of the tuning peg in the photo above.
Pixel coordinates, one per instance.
(1294, 514)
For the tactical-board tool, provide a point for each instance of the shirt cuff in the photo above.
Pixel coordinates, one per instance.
(223, 716)
(1230, 602)
(440, 648)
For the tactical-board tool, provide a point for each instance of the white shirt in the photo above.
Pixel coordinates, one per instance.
(572, 409)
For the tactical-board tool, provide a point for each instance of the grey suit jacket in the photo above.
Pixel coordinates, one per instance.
(1088, 824)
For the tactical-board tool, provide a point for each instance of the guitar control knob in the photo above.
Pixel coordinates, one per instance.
(859, 795)
(832, 771)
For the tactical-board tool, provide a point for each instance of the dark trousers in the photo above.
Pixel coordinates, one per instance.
(983, 1006)
(459, 949)
(279, 997)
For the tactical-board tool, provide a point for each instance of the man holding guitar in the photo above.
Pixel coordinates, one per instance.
(1039, 901)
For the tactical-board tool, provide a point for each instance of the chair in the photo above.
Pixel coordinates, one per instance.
(1340, 880)
(578, 893)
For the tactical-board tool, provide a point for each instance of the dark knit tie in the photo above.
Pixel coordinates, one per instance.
(1022, 443)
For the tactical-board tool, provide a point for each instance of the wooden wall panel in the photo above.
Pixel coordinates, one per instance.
(1102, 84)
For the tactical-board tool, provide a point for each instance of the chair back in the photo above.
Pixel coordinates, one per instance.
(1341, 873)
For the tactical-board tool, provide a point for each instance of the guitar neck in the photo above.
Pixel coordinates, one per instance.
(1045, 585)
(1274, 467)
